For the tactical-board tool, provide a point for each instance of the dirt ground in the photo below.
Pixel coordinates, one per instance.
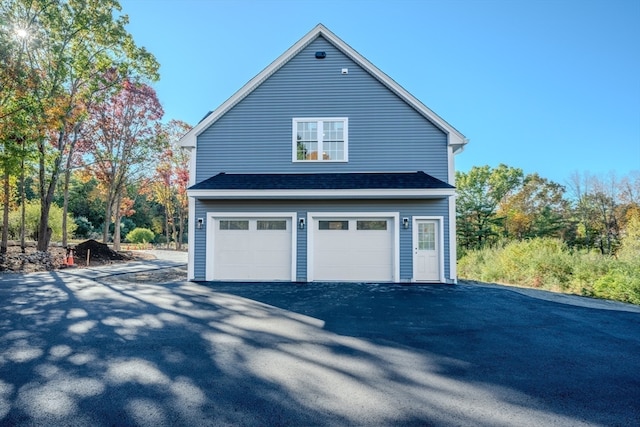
(32, 261)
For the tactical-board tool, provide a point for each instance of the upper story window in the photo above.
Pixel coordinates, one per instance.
(320, 140)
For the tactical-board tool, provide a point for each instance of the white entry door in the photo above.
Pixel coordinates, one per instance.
(426, 253)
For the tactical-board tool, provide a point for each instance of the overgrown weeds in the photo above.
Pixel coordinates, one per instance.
(547, 263)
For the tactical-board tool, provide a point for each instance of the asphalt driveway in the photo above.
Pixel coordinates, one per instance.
(110, 346)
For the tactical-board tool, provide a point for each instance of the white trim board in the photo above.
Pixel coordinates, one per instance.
(191, 239)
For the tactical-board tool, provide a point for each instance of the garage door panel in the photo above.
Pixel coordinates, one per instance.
(272, 257)
(373, 257)
(257, 252)
(349, 252)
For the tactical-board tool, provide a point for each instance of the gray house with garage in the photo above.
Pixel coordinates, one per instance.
(322, 168)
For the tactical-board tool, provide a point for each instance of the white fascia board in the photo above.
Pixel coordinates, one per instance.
(454, 136)
(324, 194)
(190, 137)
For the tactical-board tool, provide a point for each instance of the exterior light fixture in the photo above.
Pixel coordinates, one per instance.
(301, 223)
(405, 222)
(200, 223)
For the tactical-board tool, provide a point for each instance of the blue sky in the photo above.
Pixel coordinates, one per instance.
(551, 87)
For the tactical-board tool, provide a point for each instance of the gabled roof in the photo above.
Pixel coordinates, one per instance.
(325, 185)
(456, 139)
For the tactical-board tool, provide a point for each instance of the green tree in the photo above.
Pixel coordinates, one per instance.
(599, 210)
(536, 209)
(15, 105)
(75, 45)
(480, 192)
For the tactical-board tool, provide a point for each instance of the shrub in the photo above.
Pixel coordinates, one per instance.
(539, 263)
(84, 227)
(140, 235)
(32, 221)
(621, 283)
(548, 263)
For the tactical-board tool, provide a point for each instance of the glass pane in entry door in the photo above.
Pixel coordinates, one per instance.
(426, 236)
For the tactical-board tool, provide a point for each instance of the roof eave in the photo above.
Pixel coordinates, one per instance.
(278, 194)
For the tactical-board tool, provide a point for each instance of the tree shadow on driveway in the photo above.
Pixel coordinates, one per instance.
(579, 364)
(76, 351)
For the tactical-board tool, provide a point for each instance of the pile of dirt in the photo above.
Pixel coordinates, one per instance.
(99, 253)
(31, 260)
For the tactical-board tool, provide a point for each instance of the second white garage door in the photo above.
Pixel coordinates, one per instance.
(353, 249)
(252, 248)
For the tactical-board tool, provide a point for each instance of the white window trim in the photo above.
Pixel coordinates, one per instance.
(313, 216)
(210, 236)
(294, 139)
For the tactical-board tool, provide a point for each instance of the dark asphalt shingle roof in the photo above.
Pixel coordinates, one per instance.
(321, 181)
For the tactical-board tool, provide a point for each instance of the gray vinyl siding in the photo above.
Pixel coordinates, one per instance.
(406, 208)
(385, 133)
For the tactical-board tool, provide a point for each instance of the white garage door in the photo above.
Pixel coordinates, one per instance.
(252, 249)
(353, 249)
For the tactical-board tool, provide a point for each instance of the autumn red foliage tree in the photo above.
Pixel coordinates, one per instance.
(123, 136)
(171, 179)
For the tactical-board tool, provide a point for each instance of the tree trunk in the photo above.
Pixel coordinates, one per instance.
(44, 231)
(180, 229)
(5, 214)
(67, 178)
(23, 213)
(65, 204)
(174, 232)
(47, 192)
(116, 231)
(166, 225)
(107, 222)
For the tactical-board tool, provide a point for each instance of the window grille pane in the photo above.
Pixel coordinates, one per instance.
(427, 236)
(307, 140)
(272, 224)
(333, 225)
(333, 150)
(333, 131)
(371, 225)
(307, 131)
(234, 225)
(333, 140)
(307, 150)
